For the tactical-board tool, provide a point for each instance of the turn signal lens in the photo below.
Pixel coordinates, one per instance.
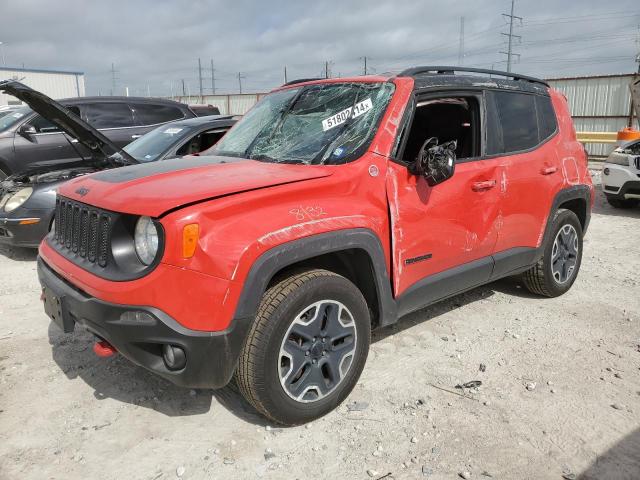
(190, 234)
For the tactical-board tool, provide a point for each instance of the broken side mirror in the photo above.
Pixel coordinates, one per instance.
(27, 131)
(436, 163)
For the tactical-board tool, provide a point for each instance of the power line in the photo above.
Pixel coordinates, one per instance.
(509, 53)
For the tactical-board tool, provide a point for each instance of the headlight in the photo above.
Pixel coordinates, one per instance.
(619, 157)
(13, 201)
(146, 240)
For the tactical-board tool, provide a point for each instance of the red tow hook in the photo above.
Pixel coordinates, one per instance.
(104, 349)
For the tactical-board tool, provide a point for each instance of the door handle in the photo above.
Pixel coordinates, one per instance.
(548, 170)
(136, 136)
(482, 186)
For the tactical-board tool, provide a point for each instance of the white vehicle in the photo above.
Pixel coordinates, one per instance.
(621, 176)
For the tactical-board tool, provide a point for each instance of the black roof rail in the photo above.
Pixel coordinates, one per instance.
(412, 72)
(301, 80)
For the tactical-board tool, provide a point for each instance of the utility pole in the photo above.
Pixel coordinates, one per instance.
(213, 79)
(364, 69)
(184, 90)
(509, 53)
(285, 74)
(461, 43)
(327, 69)
(240, 77)
(4, 63)
(200, 77)
(114, 78)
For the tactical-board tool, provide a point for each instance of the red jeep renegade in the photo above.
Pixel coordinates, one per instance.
(333, 207)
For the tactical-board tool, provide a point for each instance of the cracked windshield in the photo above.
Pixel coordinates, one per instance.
(316, 124)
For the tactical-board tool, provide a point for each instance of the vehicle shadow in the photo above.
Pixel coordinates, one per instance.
(620, 462)
(119, 379)
(19, 254)
(602, 207)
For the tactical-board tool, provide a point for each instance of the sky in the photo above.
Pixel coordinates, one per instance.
(155, 44)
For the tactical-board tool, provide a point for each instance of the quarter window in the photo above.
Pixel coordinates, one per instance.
(150, 114)
(546, 117)
(108, 115)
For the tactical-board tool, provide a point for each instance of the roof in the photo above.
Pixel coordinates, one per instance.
(38, 70)
(448, 76)
(108, 99)
(212, 120)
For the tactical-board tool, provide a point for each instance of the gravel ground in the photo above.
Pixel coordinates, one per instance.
(560, 393)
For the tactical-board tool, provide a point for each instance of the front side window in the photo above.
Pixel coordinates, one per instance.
(316, 124)
(42, 125)
(108, 115)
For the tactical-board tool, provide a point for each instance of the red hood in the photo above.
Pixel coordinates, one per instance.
(154, 188)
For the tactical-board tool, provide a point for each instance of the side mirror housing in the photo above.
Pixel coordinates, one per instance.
(436, 163)
(27, 131)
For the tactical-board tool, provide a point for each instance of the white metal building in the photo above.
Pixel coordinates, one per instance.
(237, 104)
(54, 83)
(598, 104)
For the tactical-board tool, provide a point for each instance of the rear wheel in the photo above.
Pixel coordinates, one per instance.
(558, 268)
(307, 347)
(622, 202)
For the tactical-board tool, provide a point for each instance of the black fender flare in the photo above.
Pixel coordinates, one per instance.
(575, 192)
(287, 254)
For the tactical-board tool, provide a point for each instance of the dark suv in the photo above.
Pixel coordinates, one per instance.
(28, 139)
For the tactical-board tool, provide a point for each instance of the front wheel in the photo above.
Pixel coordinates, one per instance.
(306, 348)
(558, 268)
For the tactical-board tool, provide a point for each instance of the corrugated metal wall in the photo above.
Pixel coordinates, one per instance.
(53, 84)
(228, 104)
(598, 104)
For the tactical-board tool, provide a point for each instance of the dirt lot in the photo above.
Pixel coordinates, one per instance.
(560, 395)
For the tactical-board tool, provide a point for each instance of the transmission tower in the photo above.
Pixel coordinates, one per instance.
(509, 53)
(461, 43)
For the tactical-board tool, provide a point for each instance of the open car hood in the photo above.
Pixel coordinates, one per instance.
(64, 119)
(157, 187)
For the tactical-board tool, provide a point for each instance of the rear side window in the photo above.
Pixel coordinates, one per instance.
(517, 115)
(150, 114)
(518, 121)
(108, 115)
(547, 122)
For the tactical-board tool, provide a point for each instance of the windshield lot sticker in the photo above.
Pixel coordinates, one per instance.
(339, 118)
(172, 131)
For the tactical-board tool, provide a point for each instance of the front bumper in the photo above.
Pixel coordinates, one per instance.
(621, 180)
(23, 231)
(211, 357)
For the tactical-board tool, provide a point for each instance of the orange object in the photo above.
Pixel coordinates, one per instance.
(627, 134)
(190, 234)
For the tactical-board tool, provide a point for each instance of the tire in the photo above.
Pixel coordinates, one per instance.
(551, 277)
(622, 202)
(273, 381)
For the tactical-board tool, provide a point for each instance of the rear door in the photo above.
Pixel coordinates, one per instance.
(443, 236)
(521, 133)
(113, 119)
(147, 116)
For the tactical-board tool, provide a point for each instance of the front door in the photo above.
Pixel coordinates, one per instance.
(443, 236)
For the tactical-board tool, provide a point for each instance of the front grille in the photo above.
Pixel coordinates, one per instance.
(82, 231)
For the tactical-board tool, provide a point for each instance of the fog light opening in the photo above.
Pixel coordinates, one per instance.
(174, 357)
